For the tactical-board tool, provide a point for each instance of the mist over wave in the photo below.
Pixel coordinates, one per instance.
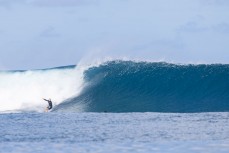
(119, 86)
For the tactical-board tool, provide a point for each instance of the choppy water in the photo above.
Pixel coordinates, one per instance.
(114, 132)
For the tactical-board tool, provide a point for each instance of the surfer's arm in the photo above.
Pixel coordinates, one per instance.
(45, 99)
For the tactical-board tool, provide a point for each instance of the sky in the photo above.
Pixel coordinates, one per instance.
(38, 34)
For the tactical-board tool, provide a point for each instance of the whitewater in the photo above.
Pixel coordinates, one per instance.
(116, 106)
(24, 90)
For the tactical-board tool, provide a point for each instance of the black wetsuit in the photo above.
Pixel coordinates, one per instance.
(50, 104)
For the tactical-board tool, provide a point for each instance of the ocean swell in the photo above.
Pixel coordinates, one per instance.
(127, 86)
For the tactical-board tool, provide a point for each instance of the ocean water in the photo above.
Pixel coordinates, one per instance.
(114, 132)
(117, 106)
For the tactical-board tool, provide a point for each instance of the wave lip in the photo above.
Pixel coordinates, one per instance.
(127, 86)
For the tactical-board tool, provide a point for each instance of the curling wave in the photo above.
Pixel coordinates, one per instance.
(127, 86)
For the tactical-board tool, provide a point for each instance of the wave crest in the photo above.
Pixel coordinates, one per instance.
(126, 86)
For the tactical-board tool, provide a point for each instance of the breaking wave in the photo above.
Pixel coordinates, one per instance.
(118, 86)
(127, 86)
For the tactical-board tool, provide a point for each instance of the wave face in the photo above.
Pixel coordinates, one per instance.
(125, 86)
(118, 86)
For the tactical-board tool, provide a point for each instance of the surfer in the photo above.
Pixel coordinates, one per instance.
(49, 107)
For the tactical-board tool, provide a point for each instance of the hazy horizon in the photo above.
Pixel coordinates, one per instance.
(36, 34)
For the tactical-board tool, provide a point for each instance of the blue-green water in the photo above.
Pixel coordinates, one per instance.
(150, 107)
(126, 86)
